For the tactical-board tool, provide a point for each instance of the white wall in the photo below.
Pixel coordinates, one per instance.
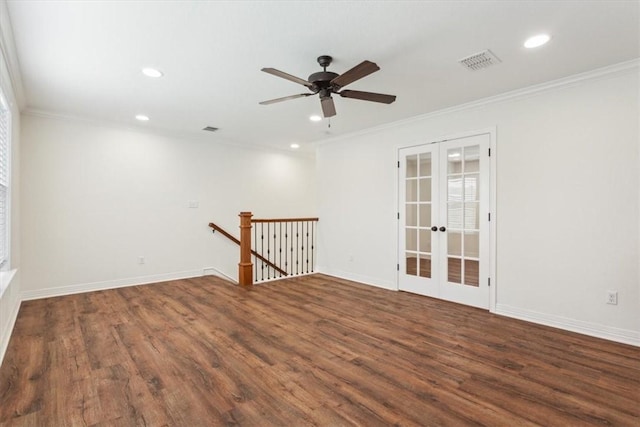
(567, 200)
(10, 276)
(96, 197)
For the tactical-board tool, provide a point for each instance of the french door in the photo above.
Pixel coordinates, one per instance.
(444, 236)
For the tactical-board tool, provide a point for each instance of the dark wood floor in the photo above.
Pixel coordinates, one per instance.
(306, 351)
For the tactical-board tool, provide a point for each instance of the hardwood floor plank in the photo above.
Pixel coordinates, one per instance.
(312, 350)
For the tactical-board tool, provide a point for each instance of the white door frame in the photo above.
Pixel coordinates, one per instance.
(491, 131)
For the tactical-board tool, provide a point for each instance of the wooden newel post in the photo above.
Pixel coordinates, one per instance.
(245, 267)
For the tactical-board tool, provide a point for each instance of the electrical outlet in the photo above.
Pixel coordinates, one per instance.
(140, 260)
(612, 297)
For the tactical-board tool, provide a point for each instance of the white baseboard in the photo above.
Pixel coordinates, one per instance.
(6, 334)
(624, 336)
(371, 281)
(108, 284)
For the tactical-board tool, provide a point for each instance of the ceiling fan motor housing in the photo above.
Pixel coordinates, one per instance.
(322, 80)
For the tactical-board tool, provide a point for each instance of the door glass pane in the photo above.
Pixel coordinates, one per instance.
(412, 261)
(454, 160)
(425, 240)
(472, 216)
(454, 243)
(471, 272)
(412, 166)
(425, 265)
(412, 190)
(425, 189)
(454, 270)
(425, 215)
(455, 215)
(425, 164)
(472, 159)
(471, 187)
(412, 239)
(471, 244)
(454, 188)
(412, 215)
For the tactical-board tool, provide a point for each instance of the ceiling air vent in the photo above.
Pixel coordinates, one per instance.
(479, 60)
(210, 129)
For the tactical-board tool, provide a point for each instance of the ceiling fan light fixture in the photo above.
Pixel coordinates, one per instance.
(537, 41)
(152, 72)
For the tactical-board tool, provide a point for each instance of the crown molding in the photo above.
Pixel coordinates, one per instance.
(597, 74)
(8, 52)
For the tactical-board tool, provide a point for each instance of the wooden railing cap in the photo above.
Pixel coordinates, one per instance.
(284, 219)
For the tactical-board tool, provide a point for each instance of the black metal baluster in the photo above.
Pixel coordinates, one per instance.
(297, 246)
(255, 246)
(307, 244)
(280, 247)
(302, 268)
(286, 252)
(274, 250)
(302, 247)
(313, 225)
(262, 248)
(268, 250)
(291, 226)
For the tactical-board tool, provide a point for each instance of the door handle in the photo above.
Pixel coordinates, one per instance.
(443, 229)
(434, 228)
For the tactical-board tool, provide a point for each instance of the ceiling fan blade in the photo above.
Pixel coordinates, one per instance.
(289, 77)
(284, 98)
(368, 96)
(356, 73)
(328, 107)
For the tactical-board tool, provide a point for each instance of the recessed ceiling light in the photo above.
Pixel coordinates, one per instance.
(315, 118)
(295, 146)
(152, 72)
(536, 41)
(142, 117)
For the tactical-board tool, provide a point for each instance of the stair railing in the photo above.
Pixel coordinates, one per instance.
(280, 247)
(229, 236)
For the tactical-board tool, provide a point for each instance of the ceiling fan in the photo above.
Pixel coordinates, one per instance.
(327, 83)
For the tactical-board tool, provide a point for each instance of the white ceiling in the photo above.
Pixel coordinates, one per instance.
(83, 58)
